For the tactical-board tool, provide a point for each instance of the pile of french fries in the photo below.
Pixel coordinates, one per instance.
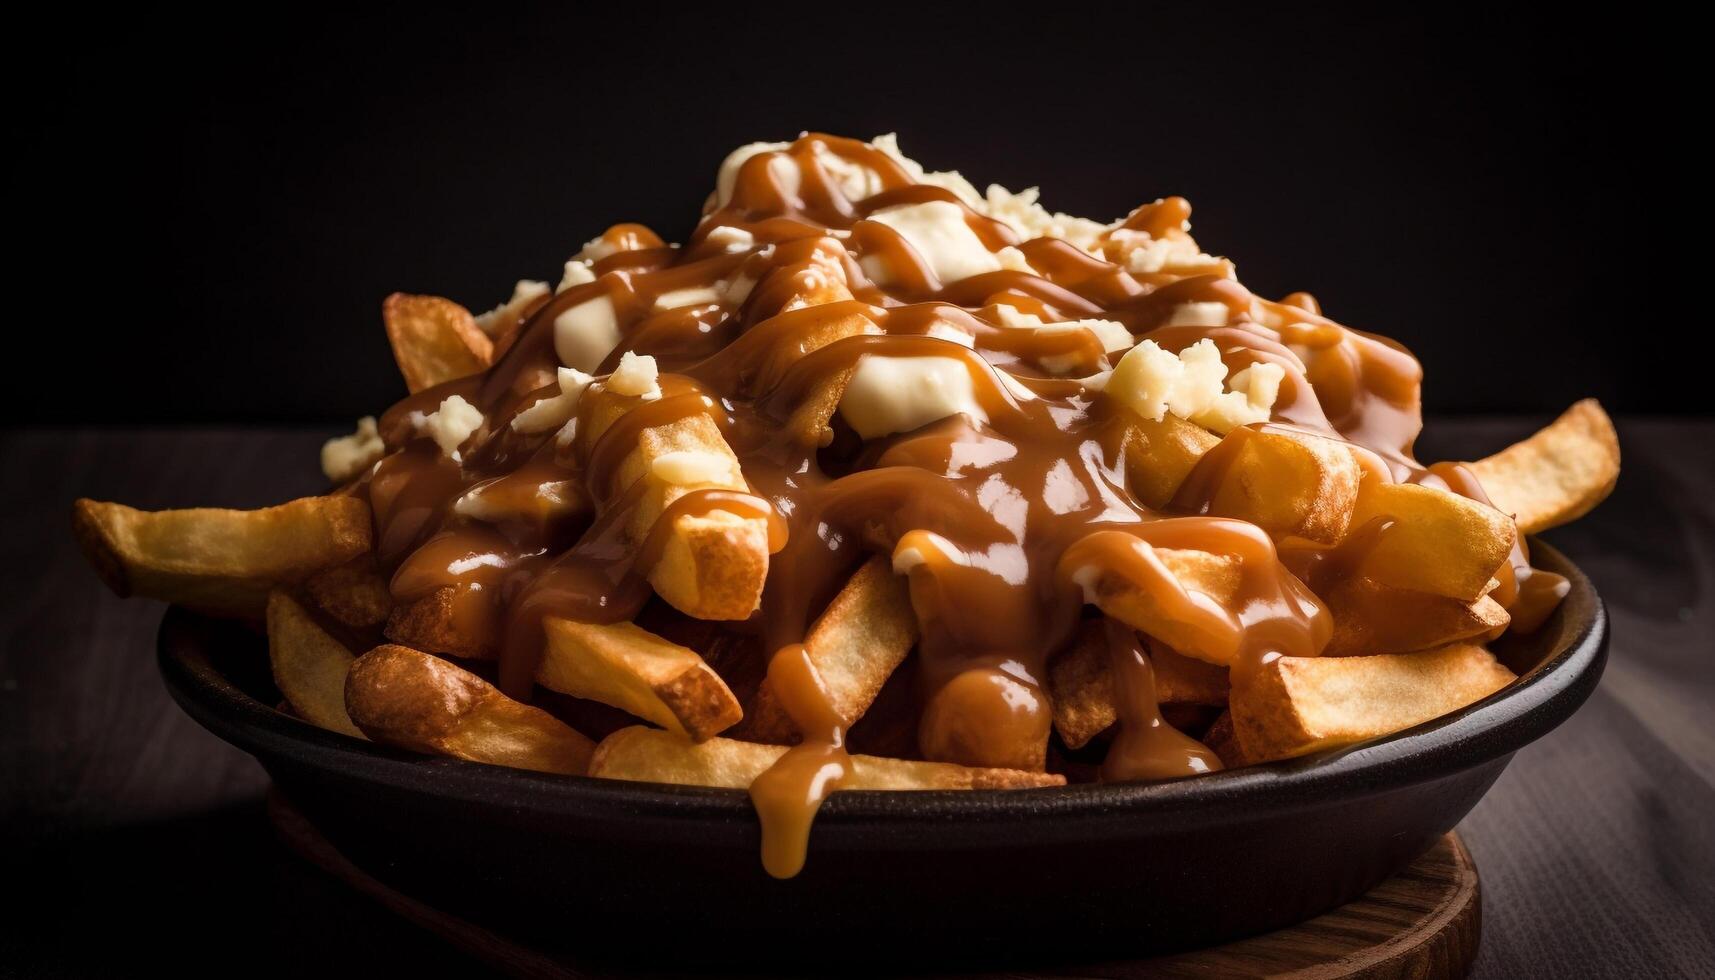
(353, 653)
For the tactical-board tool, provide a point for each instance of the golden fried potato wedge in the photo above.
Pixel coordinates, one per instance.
(1160, 455)
(354, 593)
(1558, 474)
(222, 562)
(1371, 618)
(1297, 705)
(432, 623)
(1439, 543)
(1080, 684)
(862, 637)
(1290, 484)
(309, 666)
(632, 669)
(1215, 576)
(652, 755)
(434, 340)
(712, 565)
(412, 700)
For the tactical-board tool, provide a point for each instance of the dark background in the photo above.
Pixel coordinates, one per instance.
(215, 211)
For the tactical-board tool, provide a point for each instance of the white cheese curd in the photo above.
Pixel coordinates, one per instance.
(635, 375)
(692, 296)
(555, 411)
(585, 334)
(727, 176)
(449, 425)
(1153, 382)
(347, 456)
(1110, 333)
(578, 273)
(898, 394)
(730, 239)
(509, 311)
(694, 468)
(937, 232)
(1199, 315)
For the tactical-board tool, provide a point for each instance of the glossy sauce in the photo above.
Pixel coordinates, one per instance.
(999, 516)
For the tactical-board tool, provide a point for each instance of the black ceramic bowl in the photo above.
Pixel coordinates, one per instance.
(641, 872)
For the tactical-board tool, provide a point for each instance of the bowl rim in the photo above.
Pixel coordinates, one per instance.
(1491, 728)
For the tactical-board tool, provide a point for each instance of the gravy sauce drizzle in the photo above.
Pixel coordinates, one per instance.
(993, 515)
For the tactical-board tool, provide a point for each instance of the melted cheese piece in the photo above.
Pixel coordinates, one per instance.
(898, 394)
(585, 334)
(936, 231)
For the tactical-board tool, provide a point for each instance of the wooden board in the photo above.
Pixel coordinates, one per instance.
(1422, 923)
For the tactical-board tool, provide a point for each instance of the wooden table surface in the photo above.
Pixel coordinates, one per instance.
(130, 837)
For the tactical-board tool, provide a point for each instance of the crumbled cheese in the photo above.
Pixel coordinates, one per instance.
(449, 425)
(1021, 211)
(898, 394)
(937, 232)
(578, 273)
(693, 468)
(1145, 254)
(636, 375)
(730, 239)
(596, 249)
(585, 334)
(556, 410)
(1111, 334)
(347, 456)
(509, 311)
(1152, 382)
(728, 174)
(1199, 314)
(1013, 260)
(952, 180)
(692, 296)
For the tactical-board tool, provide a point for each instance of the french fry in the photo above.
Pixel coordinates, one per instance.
(1225, 742)
(415, 701)
(1215, 576)
(1289, 484)
(309, 666)
(713, 565)
(652, 755)
(434, 340)
(622, 665)
(862, 637)
(1439, 543)
(1080, 684)
(1160, 455)
(1371, 618)
(432, 623)
(354, 593)
(1298, 705)
(222, 562)
(1558, 474)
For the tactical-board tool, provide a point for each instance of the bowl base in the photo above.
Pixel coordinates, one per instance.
(1424, 921)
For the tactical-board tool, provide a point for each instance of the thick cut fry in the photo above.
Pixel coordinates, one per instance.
(433, 623)
(855, 646)
(309, 666)
(415, 701)
(1439, 542)
(1225, 742)
(354, 593)
(1297, 705)
(651, 755)
(1370, 618)
(1080, 684)
(622, 665)
(434, 340)
(1289, 484)
(712, 565)
(1558, 474)
(222, 562)
(1215, 576)
(1160, 455)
